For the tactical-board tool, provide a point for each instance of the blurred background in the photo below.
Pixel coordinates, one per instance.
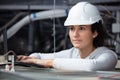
(38, 25)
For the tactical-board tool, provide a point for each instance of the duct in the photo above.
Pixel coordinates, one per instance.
(33, 17)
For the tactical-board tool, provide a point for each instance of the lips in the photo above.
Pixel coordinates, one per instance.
(76, 41)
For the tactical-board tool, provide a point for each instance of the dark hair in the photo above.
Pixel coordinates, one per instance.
(102, 34)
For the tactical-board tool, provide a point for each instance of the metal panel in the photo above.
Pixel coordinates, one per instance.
(32, 73)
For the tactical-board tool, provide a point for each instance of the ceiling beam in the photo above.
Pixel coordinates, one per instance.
(46, 7)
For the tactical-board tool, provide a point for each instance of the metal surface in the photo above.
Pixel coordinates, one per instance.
(33, 73)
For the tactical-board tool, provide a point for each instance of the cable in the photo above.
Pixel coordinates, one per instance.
(110, 15)
(11, 21)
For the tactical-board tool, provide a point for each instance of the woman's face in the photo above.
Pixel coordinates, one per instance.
(81, 36)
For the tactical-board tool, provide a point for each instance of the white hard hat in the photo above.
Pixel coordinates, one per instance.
(83, 13)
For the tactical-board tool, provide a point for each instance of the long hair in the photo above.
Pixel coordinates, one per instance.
(102, 34)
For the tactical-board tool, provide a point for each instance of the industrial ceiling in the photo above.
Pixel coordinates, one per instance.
(48, 4)
(10, 8)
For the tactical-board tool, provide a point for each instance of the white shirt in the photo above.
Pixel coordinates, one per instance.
(101, 58)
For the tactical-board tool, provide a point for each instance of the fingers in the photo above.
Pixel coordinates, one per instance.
(27, 61)
(22, 57)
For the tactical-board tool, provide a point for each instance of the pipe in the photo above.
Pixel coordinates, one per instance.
(35, 16)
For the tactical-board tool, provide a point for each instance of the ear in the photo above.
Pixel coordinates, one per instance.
(95, 34)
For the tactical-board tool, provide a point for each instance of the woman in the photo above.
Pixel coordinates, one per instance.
(87, 36)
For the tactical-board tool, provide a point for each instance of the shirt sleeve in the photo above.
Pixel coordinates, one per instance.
(106, 61)
(42, 55)
(61, 54)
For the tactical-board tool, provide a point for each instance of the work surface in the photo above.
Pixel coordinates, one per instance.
(33, 73)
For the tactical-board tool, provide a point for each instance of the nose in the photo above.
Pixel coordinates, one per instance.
(75, 33)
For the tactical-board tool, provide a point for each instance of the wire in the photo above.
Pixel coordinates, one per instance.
(7, 53)
(110, 14)
(10, 51)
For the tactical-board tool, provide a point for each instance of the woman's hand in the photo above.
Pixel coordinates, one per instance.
(43, 62)
(32, 60)
(23, 57)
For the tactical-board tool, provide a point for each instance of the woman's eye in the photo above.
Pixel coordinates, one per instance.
(71, 28)
(82, 28)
